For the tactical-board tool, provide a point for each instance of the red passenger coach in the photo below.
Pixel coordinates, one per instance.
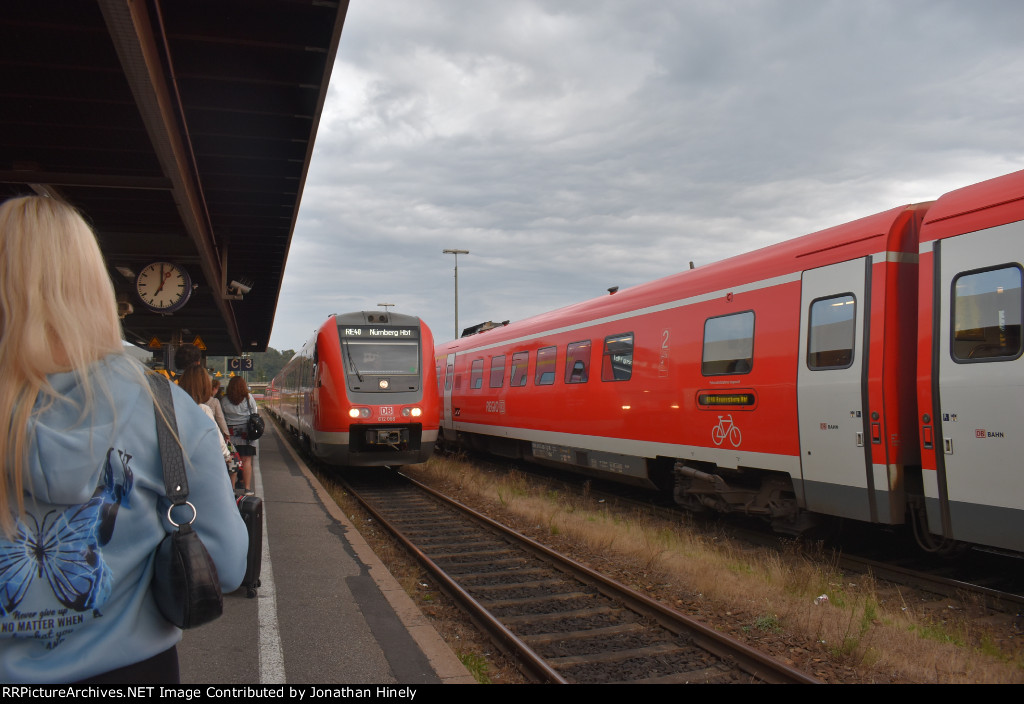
(362, 391)
(969, 368)
(785, 382)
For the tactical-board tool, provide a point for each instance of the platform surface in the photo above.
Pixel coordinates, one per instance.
(327, 612)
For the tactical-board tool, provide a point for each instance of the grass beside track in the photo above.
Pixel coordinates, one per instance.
(803, 607)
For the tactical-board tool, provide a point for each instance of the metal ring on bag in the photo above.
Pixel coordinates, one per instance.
(187, 503)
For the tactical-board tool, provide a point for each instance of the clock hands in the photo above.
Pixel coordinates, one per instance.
(163, 279)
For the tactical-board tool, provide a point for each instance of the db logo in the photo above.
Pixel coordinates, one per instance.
(979, 433)
(387, 410)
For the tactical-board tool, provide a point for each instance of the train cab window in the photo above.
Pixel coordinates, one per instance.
(545, 375)
(367, 358)
(476, 374)
(833, 323)
(987, 321)
(728, 344)
(617, 363)
(520, 368)
(448, 377)
(577, 362)
(497, 371)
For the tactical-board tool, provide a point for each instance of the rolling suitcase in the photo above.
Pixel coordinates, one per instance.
(251, 508)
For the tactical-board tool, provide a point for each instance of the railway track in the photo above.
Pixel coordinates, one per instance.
(991, 579)
(563, 622)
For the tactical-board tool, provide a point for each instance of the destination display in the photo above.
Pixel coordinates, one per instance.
(376, 332)
(727, 399)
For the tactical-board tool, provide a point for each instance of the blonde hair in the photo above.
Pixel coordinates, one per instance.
(58, 313)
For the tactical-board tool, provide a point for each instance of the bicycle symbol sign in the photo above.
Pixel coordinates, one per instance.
(726, 429)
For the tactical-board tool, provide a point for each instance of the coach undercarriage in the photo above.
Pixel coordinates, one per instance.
(696, 486)
(761, 494)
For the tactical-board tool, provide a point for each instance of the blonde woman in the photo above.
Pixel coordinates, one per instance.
(82, 505)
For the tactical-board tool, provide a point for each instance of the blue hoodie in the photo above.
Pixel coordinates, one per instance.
(75, 596)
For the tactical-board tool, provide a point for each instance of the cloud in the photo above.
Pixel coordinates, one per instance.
(572, 146)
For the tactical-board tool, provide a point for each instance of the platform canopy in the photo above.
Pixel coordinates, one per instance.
(183, 130)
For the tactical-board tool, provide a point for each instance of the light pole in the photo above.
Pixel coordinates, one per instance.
(456, 252)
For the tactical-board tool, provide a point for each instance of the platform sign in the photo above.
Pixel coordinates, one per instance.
(240, 364)
(198, 342)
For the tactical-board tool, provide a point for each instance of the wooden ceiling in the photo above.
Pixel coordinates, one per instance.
(183, 130)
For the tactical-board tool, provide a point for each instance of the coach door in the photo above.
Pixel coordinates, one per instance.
(831, 389)
(981, 381)
(449, 379)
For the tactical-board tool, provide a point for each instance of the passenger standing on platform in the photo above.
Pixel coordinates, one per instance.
(187, 355)
(218, 411)
(218, 391)
(196, 383)
(82, 505)
(238, 404)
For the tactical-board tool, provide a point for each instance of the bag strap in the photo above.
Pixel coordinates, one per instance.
(175, 480)
(248, 402)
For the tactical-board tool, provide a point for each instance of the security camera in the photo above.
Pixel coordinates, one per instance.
(240, 287)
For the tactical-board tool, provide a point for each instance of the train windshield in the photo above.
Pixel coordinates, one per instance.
(362, 357)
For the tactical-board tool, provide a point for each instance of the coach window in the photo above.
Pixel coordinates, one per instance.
(833, 323)
(577, 362)
(476, 374)
(545, 366)
(498, 371)
(617, 364)
(520, 368)
(987, 315)
(448, 377)
(437, 373)
(728, 344)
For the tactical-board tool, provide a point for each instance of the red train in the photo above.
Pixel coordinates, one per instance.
(871, 371)
(361, 391)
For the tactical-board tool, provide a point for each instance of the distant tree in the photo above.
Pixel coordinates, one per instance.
(265, 365)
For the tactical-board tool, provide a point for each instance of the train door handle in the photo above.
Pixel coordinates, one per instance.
(860, 438)
(947, 445)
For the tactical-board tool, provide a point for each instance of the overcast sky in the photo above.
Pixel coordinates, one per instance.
(576, 145)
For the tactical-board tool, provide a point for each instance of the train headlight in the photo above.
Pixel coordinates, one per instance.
(383, 383)
(414, 412)
(359, 412)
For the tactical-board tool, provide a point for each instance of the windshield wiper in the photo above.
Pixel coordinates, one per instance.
(348, 354)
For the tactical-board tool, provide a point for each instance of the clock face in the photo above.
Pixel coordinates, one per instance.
(163, 287)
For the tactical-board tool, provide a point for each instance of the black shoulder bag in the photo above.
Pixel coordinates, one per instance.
(185, 582)
(256, 423)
